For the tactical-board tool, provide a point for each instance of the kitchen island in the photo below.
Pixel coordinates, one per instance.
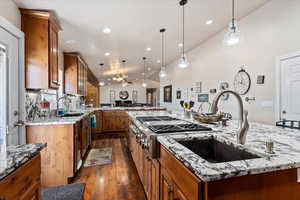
(21, 177)
(188, 172)
(69, 139)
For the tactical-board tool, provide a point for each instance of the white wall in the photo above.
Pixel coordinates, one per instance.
(271, 31)
(104, 91)
(10, 11)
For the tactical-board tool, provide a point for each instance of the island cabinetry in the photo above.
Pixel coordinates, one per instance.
(115, 121)
(41, 49)
(147, 168)
(177, 182)
(24, 183)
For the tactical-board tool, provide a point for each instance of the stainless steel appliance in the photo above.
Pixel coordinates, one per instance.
(152, 126)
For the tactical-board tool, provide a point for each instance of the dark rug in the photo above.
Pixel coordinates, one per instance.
(65, 192)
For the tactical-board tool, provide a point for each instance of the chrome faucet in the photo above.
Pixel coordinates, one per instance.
(243, 115)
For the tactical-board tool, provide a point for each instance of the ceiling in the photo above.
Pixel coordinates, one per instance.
(135, 26)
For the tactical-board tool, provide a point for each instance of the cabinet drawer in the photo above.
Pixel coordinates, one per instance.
(183, 178)
(24, 183)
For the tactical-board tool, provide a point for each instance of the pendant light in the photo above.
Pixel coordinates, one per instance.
(183, 62)
(101, 83)
(232, 37)
(163, 73)
(144, 75)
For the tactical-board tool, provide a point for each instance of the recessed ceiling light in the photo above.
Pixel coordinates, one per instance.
(209, 22)
(70, 41)
(149, 69)
(158, 61)
(106, 30)
(180, 45)
(107, 54)
(148, 49)
(143, 73)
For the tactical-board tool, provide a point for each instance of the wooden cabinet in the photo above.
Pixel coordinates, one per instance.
(66, 146)
(75, 74)
(147, 168)
(115, 121)
(85, 135)
(24, 183)
(41, 49)
(99, 118)
(177, 182)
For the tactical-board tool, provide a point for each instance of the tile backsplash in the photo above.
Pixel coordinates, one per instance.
(34, 97)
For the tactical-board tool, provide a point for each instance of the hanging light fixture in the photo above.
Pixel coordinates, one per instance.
(232, 37)
(101, 83)
(163, 73)
(144, 74)
(183, 62)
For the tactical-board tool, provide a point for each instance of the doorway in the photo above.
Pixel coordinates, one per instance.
(151, 96)
(288, 84)
(12, 108)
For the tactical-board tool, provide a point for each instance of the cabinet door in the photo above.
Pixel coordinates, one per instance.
(165, 186)
(154, 180)
(178, 195)
(99, 119)
(53, 57)
(84, 133)
(115, 123)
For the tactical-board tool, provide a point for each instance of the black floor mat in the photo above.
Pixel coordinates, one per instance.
(65, 192)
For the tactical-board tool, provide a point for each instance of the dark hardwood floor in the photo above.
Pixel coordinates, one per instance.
(118, 181)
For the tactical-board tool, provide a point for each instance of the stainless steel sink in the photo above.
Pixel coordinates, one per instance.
(215, 151)
(75, 114)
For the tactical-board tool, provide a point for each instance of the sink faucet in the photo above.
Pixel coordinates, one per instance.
(243, 115)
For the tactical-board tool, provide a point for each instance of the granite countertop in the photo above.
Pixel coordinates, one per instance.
(73, 120)
(286, 149)
(19, 155)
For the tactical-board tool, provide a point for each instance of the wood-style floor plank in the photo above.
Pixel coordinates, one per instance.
(116, 181)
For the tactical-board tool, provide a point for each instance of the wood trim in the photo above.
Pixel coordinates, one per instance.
(44, 14)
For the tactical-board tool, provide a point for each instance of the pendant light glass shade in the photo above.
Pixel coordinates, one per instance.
(144, 84)
(162, 73)
(183, 62)
(101, 83)
(233, 36)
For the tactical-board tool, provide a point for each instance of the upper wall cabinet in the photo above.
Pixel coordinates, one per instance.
(75, 74)
(41, 49)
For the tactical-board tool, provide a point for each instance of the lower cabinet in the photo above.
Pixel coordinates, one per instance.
(67, 144)
(24, 183)
(176, 181)
(147, 168)
(114, 121)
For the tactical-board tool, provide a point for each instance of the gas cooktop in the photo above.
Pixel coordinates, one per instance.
(160, 129)
(156, 118)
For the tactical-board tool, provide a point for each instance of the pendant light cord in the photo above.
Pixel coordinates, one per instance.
(183, 26)
(233, 15)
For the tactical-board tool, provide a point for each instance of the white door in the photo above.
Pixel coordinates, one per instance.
(290, 88)
(11, 106)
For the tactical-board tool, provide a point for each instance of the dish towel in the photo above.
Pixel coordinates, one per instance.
(93, 121)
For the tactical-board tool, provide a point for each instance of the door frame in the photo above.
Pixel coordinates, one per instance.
(278, 79)
(16, 32)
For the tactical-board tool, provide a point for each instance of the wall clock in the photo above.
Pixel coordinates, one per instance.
(242, 82)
